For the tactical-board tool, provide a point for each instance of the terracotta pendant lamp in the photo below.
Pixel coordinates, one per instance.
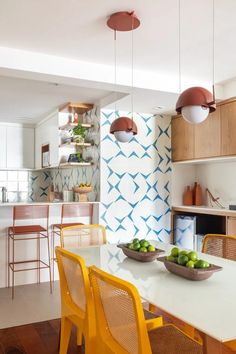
(123, 128)
(196, 103)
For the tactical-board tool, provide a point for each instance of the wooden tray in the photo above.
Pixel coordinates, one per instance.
(140, 256)
(189, 273)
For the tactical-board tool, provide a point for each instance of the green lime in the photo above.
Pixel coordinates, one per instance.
(135, 240)
(192, 256)
(202, 264)
(136, 246)
(131, 246)
(170, 258)
(142, 249)
(190, 264)
(175, 252)
(182, 259)
(144, 243)
(183, 253)
(151, 248)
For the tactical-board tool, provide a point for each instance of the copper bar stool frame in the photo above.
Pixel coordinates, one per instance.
(30, 232)
(69, 211)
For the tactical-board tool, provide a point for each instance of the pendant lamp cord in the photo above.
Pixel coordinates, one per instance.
(115, 73)
(132, 70)
(179, 33)
(213, 48)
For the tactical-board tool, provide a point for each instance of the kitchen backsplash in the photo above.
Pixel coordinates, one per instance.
(25, 186)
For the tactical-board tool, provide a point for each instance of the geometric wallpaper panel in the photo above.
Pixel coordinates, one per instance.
(135, 179)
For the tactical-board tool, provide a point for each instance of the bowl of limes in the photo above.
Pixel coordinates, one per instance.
(140, 250)
(187, 265)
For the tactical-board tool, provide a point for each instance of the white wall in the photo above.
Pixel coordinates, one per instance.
(218, 177)
(182, 175)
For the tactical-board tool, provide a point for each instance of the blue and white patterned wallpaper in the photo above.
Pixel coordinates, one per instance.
(135, 179)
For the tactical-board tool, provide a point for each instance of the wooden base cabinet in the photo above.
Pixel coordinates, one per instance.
(231, 226)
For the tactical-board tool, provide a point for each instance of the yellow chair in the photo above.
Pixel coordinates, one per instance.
(220, 245)
(121, 325)
(77, 306)
(82, 236)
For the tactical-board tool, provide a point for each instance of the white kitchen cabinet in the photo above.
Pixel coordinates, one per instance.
(3, 150)
(19, 147)
(47, 133)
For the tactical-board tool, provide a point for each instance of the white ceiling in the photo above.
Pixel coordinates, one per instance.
(27, 101)
(76, 29)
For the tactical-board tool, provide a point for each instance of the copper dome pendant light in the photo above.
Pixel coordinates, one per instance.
(123, 128)
(196, 103)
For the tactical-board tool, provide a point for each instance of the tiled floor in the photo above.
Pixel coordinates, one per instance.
(32, 303)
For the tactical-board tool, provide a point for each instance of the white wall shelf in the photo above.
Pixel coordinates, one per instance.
(69, 126)
(74, 144)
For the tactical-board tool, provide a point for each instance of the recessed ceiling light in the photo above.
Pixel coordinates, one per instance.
(157, 108)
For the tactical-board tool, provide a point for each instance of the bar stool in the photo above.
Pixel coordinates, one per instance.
(25, 233)
(69, 217)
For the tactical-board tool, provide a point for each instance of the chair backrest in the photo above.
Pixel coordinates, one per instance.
(82, 236)
(220, 245)
(76, 210)
(119, 314)
(74, 283)
(24, 212)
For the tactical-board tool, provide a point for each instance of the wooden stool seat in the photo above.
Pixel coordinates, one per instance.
(26, 229)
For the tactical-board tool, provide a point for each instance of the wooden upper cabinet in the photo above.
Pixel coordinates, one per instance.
(182, 141)
(208, 136)
(228, 128)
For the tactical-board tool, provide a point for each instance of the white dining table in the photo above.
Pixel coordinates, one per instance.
(209, 305)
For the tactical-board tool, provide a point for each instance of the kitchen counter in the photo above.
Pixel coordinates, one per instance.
(204, 210)
(43, 203)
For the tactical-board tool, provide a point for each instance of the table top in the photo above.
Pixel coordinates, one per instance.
(208, 305)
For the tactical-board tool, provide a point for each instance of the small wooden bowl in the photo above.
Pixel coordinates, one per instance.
(140, 256)
(189, 273)
(82, 190)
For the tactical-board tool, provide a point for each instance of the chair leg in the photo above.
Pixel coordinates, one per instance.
(79, 337)
(66, 327)
(8, 260)
(49, 264)
(13, 267)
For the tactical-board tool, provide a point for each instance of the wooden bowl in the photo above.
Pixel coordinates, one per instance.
(140, 256)
(82, 190)
(189, 273)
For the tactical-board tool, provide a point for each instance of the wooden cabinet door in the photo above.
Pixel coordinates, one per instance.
(208, 136)
(231, 226)
(182, 139)
(228, 128)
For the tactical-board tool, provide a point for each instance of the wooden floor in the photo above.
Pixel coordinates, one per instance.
(35, 338)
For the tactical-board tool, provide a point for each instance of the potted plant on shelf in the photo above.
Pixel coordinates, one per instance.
(79, 133)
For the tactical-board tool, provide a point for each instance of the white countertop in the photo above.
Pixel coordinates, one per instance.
(207, 305)
(204, 210)
(43, 203)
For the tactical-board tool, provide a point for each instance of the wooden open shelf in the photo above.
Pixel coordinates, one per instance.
(79, 108)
